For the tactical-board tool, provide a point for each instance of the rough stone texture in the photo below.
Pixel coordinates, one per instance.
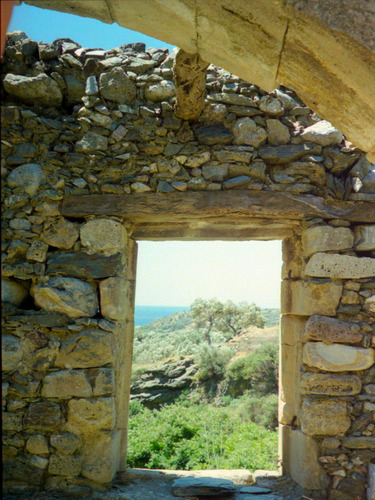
(88, 349)
(326, 265)
(69, 296)
(112, 298)
(37, 445)
(306, 298)
(82, 265)
(100, 457)
(63, 465)
(11, 352)
(246, 131)
(104, 383)
(103, 236)
(327, 418)
(326, 238)
(278, 133)
(91, 142)
(358, 443)
(116, 86)
(160, 91)
(337, 357)
(364, 238)
(12, 292)
(65, 443)
(94, 413)
(28, 177)
(331, 330)
(323, 384)
(371, 486)
(43, 416)
(40, 89)
(60, 233)
(190, 77)
(37, 251)
(65, 384)
(322, 133)
(370, 304)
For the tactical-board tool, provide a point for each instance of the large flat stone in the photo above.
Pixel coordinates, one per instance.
(28, 176)
(103, 236)
(66, 384)
(364, 238)
(101, 456)
(88, 349)
(337, 357)
(287, 153)
(202, 486)
(322, 133)
(324, 384)
(246, 131)
(69, 296)
(327, 265)
(331, 330)
(83, 265)
(327, 418)
(359, 443)
(40, 89)
(306, 298)
(65, 465)
(326, 238)
(116, 86)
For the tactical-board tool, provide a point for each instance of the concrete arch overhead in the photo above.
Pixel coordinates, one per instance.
(322, 49)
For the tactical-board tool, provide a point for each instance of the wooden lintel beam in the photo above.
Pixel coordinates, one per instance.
(215, 206)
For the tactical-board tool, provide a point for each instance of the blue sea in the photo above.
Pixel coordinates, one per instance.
(146, 314)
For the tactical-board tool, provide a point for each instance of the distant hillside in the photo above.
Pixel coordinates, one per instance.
(176, 335)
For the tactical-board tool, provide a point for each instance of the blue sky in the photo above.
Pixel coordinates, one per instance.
(170, 273)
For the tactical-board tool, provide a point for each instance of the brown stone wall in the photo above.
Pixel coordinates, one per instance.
(82, 122)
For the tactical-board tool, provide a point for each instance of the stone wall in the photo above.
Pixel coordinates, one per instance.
(86, 121)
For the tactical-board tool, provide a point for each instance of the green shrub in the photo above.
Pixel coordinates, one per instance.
(212, 362)
(261, 410)
(185, 436)
(256, 372)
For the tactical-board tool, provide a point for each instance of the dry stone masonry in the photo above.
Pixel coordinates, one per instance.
(79, 122)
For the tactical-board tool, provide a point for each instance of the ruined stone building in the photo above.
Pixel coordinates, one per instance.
(101, 149)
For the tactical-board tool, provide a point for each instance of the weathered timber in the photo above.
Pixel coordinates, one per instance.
(81, 265)
(210, 206)
(263, 230)
(189, 71)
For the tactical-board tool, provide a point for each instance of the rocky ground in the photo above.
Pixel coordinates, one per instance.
(141, 484)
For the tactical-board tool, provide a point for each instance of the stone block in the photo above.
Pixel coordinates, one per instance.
(92, 413)
(116, 86)
(306, 298)
(11, 353)
(28, 177)
(160, 91)
(278, 133)
(37, 445)
(369, 304)
(293, 261)
(246, 131)
(371, 482)
(60, 233)
(364, 238)
(65, 465)
(326, 238)
(112, 298)
(69, 296)
(323, 133)
(43, 415)
(88, 349)
(91, 142)
(323, 384)
(101, 457)
(40, 89)
(300, 459)
(11, 421)
(65, 384)
(103, 236)
(13, 292)
(324, 418)
(83, 265)
(104, 381)
(65, 443)
(327, 265)
(331, 330)
(37, 251)
(359, 443)
(337, 357)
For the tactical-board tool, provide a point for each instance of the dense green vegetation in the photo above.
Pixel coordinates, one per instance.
(229, 416)
(186, 436)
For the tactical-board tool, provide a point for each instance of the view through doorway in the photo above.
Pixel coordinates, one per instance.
(205, 363)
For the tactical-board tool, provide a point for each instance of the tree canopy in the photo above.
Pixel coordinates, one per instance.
(227, 317)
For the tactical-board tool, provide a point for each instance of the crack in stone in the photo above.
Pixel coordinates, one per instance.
(110, 11)
(281, 51)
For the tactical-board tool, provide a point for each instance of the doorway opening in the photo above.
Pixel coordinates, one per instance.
(204, 391)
